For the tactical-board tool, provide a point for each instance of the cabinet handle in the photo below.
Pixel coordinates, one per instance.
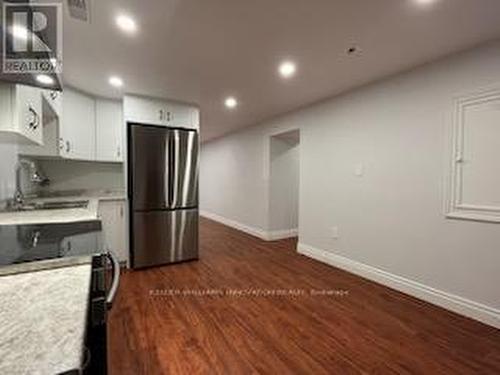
(161, 114)
(68, 146)
(61, 143)
(35, 120)
(35, 239)
(118, 151)
(168, 116)
(53, 95)
(121, 211)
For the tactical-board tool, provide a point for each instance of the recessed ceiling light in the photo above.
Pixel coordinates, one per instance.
(425, 2)
(287, 69)
(126, 23)
(115, 81)
(45, 79)
(230, 102)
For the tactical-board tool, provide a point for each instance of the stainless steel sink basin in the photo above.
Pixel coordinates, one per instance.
(54, 205)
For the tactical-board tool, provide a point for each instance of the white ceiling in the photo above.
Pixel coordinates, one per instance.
(200, 51)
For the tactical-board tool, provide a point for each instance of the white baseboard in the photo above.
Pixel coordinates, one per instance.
(257, 232)
(281, 234)
(460, 305)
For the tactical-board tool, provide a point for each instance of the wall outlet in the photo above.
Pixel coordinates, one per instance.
(334, 232)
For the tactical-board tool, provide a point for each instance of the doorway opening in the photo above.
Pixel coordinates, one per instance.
(284, 185)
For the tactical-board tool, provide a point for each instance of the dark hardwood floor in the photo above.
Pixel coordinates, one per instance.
(362, 327)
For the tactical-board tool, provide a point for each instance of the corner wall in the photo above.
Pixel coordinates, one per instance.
(8, 161)
(284, 187)
(374, 183)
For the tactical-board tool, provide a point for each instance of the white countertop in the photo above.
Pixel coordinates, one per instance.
(66, 215)
(42, 320)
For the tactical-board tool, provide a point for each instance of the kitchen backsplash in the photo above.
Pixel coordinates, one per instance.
(80, 175)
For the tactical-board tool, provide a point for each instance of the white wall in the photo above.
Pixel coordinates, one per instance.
(284, 185)
(77, 175)
(232, 179)
(391, 218)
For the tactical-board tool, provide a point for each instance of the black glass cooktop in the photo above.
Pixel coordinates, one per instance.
(28, 243)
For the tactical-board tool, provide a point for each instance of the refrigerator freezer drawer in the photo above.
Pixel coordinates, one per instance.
(162, 237)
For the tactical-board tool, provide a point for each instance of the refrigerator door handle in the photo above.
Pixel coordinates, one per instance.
(174, 187)
(168, 172)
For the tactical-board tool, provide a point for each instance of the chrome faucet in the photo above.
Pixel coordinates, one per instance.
(36, 176)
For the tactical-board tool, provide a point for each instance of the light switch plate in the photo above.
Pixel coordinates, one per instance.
(334, 232)
(359, 171)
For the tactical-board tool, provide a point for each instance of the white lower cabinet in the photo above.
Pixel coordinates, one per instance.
(78, 244)
(112, 216)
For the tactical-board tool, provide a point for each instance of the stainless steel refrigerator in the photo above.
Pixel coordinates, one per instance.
(163, 193)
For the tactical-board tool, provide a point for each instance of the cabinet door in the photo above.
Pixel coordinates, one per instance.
(144, 110)
(109, 135)
(51, 145)
(29, 112)
(195, 117)
(77, 126)
(80, 244)
(181, 116)
(54, 99)
(112, 216)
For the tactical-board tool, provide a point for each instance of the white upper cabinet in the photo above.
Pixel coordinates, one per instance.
(159, 112)
(77, 126)
(54, 100)
(51, 114)
(144, 110)
(21, 113)
(195, 117)
(109, 130)
(181, 116)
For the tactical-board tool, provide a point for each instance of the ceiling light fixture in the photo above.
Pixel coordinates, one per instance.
(45, 79)
(230, 102)
(115, 81)
(287, 69)
(126, 24)
(424, 2)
